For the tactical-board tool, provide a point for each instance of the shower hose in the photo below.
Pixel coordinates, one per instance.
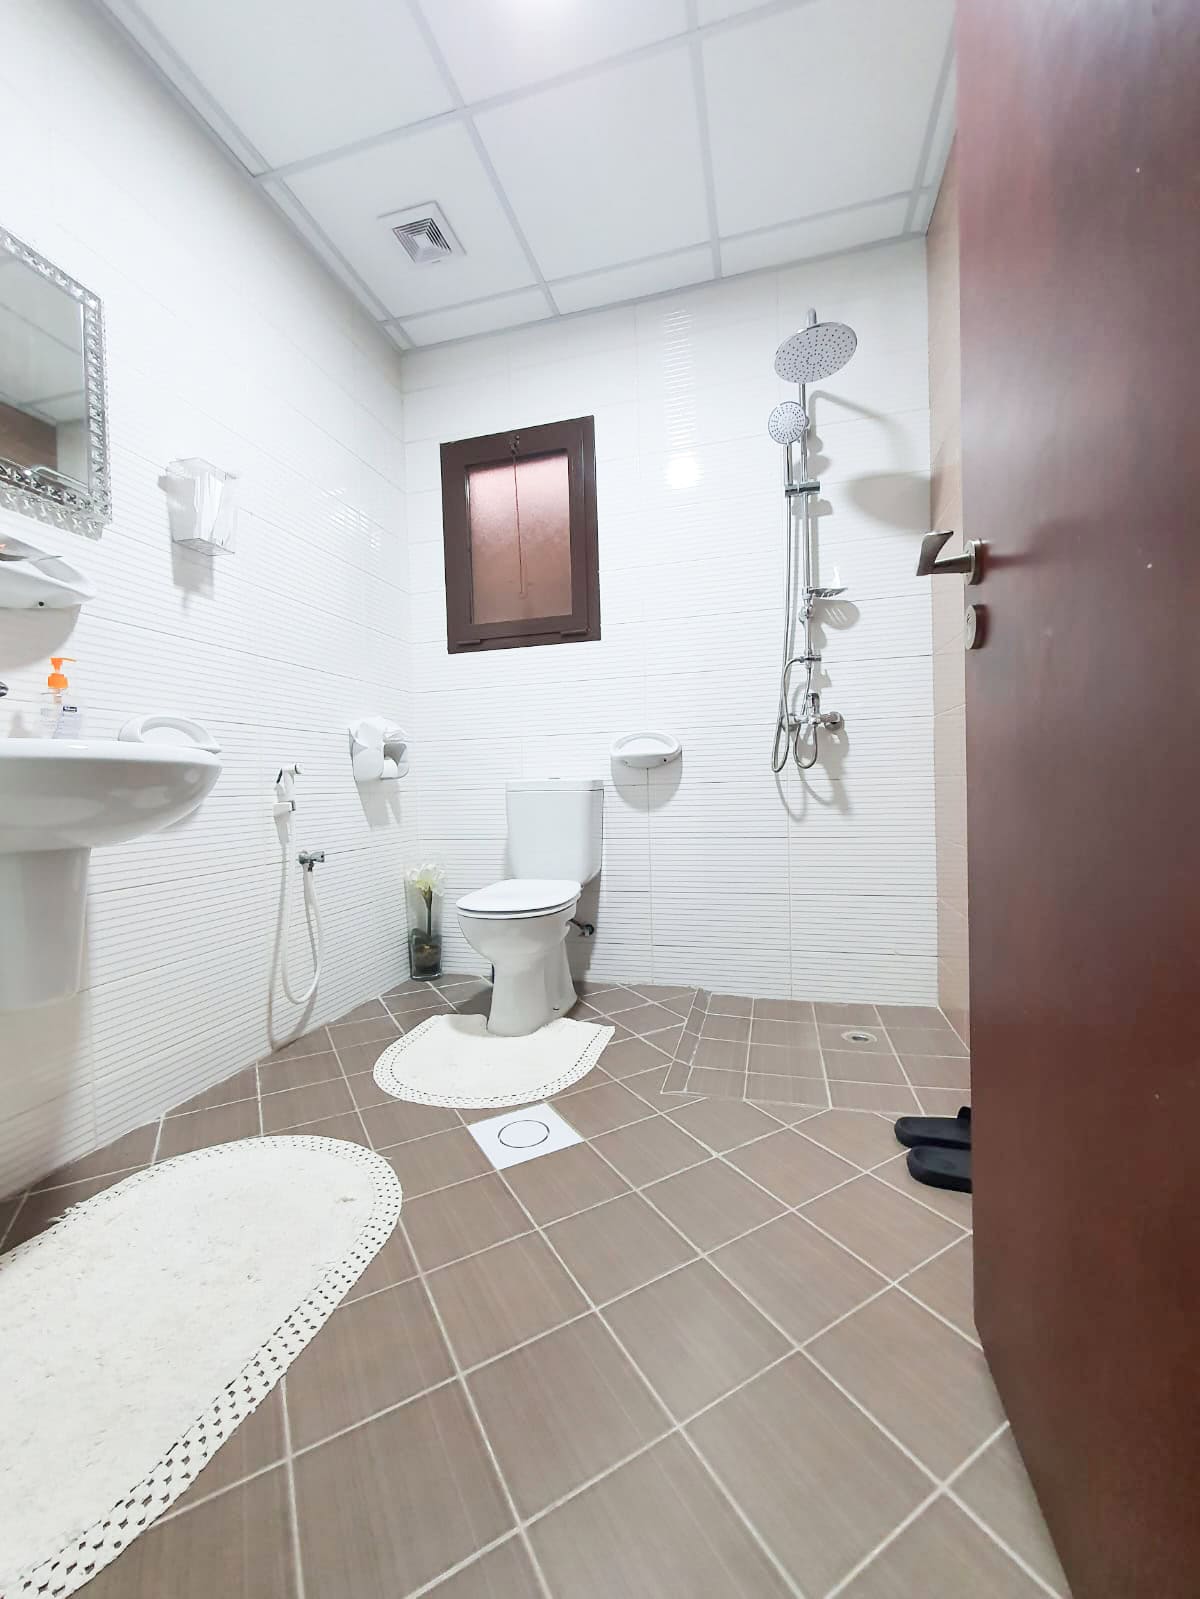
(312, 922)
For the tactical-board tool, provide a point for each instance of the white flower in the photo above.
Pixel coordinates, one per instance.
(428, 879)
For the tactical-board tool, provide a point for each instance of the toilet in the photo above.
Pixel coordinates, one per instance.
(555, 839)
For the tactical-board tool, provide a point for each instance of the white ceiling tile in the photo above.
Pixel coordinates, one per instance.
(716, 10)
(943, 129)
(631, 282)
(301, 79)
(495, 45)
(350, 197)
(821, 107)
(605, 170)
(820, 236)
(486, 316)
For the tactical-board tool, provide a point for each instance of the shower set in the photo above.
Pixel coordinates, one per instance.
(813, 354)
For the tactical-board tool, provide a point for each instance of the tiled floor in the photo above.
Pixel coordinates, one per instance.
(719, 1350)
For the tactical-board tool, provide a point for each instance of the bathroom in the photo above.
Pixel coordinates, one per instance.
(648, 1296)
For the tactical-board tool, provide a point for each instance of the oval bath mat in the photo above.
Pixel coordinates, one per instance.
(137, 1332)
(455, 1061)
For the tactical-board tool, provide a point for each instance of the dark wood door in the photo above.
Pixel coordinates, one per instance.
(1079, 174)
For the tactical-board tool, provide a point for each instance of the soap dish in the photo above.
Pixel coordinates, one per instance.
(646, 749)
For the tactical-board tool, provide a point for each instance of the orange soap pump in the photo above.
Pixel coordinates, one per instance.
(60, 714)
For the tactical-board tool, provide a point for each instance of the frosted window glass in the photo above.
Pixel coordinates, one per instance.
(520, 530)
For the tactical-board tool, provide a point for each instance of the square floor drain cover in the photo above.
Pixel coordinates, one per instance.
(524, 1134)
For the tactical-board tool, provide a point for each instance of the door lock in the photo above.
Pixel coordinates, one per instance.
(969, 563)
(974, 626)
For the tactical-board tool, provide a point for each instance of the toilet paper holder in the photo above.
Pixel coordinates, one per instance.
(378, 750)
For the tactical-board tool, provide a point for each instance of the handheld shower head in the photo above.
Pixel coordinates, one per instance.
(787, 422)
(816, 352)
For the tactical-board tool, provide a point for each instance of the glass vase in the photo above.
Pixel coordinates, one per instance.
(424, 935)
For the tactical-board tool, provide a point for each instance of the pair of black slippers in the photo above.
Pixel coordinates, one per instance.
(939, 1149)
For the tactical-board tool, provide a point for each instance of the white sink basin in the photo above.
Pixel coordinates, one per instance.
(59, 799)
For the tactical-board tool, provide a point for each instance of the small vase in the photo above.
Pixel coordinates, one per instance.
(425, 936)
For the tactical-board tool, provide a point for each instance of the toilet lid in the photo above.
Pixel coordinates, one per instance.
(521, 896)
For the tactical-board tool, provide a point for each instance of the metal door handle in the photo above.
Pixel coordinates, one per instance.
(969, 562)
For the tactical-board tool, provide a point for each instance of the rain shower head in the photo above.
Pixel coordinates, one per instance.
(816, 352)
(787, 422)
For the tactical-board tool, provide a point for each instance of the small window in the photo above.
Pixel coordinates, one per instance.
(519, 524)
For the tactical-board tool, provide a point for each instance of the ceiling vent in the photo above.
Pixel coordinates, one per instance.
(424, 233)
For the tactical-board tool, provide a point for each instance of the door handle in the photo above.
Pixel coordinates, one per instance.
(969, 563)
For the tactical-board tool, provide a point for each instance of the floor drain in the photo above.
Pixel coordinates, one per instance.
(857, 1036)
(523, 1135)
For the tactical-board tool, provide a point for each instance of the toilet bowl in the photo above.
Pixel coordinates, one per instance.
(519, 926)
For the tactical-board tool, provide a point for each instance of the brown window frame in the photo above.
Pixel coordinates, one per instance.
(576, 438)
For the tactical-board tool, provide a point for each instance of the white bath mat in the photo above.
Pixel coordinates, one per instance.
(137, 1332)
(454, 1060)
(516, 1136)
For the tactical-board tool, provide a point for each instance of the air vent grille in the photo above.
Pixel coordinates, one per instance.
(424, 241)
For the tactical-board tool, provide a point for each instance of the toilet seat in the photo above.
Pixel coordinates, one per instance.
(516, 897)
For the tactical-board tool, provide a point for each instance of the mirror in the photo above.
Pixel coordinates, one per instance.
(53, 442)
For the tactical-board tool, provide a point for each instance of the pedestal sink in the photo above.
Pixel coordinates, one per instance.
(59, 800)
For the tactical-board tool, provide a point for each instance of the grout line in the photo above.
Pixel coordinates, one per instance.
(999, 1542)
(291, 1487)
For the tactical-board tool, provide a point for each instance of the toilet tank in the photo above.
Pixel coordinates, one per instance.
(555, 827)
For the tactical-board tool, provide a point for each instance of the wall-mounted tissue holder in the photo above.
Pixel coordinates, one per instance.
(202, 505)
(643, 750)
(378, 750)
(33, 579)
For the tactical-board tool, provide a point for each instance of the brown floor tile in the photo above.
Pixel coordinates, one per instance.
(884, 1228)
(772, 1090)
(201, 1129)
(461, 1220)
(784, 1034)
(941, 1101)
(647, 1019)
(503, 1297)
(556, 1185)
(405, 1003)
(997, 1487)
(785, 1010)
(856, 1065)
(237, 1545)
(939, 1071)
(242, 1085)
(276, 1073)
(668, 1040)
(694, 1337)
(928, 1386)
(412, 985)
(894, 1099)
(840, 1035)
(397, 1121)
(592, 1111)
(797, 1276)
(652, 1087)
(674, 997)
(581, 1011)
(723, 1125)
(634, 1055)
(618, 1246)
(426, 1164)
(348, 1127)
(256, 1443)
(927, 1041)
(294, 1106)
(784, 1060)
(911, 1016)
(357, 1058)
(943, 1555)
(726, 1029)
(659, 1528)
(953, 1206)
(353, 1034)
(947, 1285)
(562, 1410)
(389, 1506)
(371, 1354)
(790, 1167)
(847, 1015)
(366, 1092)
(866, 1140)
(730, 1004)
(371, 1010)
(503, 1573)
(818, 1480)
(313, 1043)
(711, 1204)
(122, 1155)
(649, 1150)
(617, 998)
(8, 1209)
(590, 1079)
(40, 1210)
(717, 1083)
(394, 1263)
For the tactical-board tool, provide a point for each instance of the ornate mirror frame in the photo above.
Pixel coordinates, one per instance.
(43, 494)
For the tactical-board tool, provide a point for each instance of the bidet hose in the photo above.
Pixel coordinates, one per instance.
(312, 923)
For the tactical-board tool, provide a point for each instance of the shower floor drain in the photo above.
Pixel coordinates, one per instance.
(859, 1035)
(524, 1134)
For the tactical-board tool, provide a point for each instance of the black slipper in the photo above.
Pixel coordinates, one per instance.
(941, 1168)
(939, 1132)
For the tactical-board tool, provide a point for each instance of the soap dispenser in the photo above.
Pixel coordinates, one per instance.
(60, 715)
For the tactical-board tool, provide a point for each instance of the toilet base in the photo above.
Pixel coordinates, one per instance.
(531, 982)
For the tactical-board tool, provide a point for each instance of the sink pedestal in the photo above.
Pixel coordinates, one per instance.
(43, 896)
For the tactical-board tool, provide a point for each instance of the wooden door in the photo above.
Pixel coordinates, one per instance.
(1079, 174)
